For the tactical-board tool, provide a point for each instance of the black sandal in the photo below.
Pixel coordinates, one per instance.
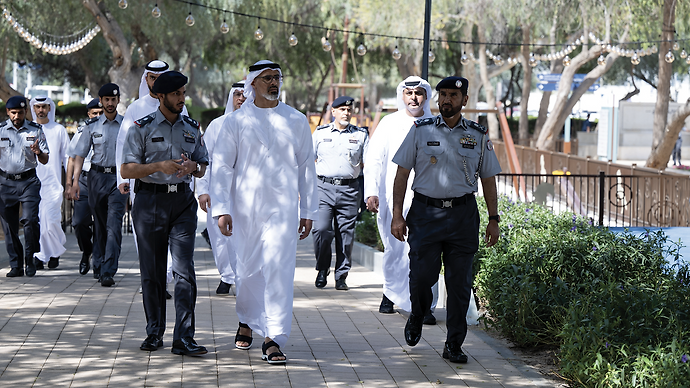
(243, 338)
(269, 358)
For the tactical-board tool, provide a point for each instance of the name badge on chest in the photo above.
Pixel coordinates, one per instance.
(157, 139)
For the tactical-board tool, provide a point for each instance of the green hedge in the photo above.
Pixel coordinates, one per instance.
(618, 311)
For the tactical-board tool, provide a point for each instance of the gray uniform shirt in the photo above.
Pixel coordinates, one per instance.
(446, 159)
(86, 166)
(339, 154)
(15, 146)
(153, 139)
(99, 134)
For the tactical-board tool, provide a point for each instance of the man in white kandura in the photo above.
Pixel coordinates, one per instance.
(223, 252)
(52, 238)
(413, 96)
(263, 185)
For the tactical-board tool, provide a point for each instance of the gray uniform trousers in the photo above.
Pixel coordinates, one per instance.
(12, 194)
(82, 220)
(108, 206)
(455, 233)
(163, 219)
(338, 208)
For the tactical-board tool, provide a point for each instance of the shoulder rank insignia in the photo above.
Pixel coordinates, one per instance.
(191, 122)
(143, 121)
(322, 126)
(476, 126)
(3, 124)
(420, 122)
(37, 125)
(91, 120)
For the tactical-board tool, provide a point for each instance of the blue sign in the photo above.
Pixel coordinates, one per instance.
(549, 82)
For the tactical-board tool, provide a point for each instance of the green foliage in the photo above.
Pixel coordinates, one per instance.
(618, 310)
(367, 231)
(74, 111)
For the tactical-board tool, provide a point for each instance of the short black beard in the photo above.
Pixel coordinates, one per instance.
(171, 107)
(446, 112)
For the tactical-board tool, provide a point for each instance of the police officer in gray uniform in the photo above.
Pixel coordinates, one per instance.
(450, 155)
(82, 219)
(162, 152)
(22, 146)
(339, 149)
(105, 200)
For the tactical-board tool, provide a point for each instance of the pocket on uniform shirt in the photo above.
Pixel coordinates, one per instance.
(432, 155)
(354, 152)
(471, 157)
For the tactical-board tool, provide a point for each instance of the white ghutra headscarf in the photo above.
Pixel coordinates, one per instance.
(230, 106)
(154, 67)
(43, 100)
(254, 71)
(414, 82)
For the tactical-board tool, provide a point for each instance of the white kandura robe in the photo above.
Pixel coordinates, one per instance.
(52, 237)
(379, 175)
(140, 108)
(223, 252)
(265, 177)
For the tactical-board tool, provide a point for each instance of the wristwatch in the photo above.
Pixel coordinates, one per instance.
(496, 217)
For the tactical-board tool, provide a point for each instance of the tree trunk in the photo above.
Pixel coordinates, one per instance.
(6, 90)
(660, 155)
(469, 71)
(663, 87)
(491, 119)
(523, 128)
(556, 67)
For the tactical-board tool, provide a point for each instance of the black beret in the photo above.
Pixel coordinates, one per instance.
(342, 101)
(95, 103)
(16, 102)
(453, 83)
(169, 81)
(109, 89)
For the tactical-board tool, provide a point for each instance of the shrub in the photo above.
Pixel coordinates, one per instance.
(367, 231)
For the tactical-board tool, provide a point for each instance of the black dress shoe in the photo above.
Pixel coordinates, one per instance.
(54, 262)
(151, 343)
(341, 285)
(386, 306)
(429, 319)
(322, 278)
(84, 265)
(15, 272)
(107, 280)
(453, 352)
(204, 234)
(30, 270)
(223, 288)
(38, 264)
(187, 347)
(96, 273)
(413, 329)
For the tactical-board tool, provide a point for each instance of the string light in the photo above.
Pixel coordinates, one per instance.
(687, 60)
(635, 59)
(156, 12)
(258, 34)
(396, 54)
(224, 28)
(432, 56)
(190, 19)
(326, 45)
(533, 62)
(601, 61)
(566, 61)
(464, 59)
(122, 4)
(292, 40)
(361, 49)
(676, 46)
(669, 57)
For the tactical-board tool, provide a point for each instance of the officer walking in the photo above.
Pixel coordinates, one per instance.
(338, 148)
(82, 219)
(105, 200)
(22, 146)
(162, 151)
(449, 155)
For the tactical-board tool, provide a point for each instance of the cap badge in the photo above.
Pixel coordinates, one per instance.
(458, 84)
(115, 92)
(22, 104)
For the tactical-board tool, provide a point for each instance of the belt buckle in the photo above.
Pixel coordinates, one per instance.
(108, 170)
(172, 188)
(337, 181)
(17, 177)
(446, 204)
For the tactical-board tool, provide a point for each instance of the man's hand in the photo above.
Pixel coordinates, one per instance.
(225, 224)
(399, 227)
(171, 166)
(124, 188)
(74, 192)
(373, 204)
(304, 228)
(188, 167)
(205, 202)
(492, 233)
(35, 148)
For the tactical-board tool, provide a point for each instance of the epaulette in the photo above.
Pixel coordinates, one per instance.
(477, 126)
(322, 126)
(426, 121)
(33, 124)
(81, 129)
(91, 120)
(143, 121)
(191, 122)
(3, 124)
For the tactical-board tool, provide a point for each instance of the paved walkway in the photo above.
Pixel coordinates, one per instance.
(60, 329)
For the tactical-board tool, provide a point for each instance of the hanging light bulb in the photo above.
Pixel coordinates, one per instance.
(122, 4)
(601, 61)
(683, 54)
(361, 49)
(566, 61)
(654, 49)
(10, 19)
(687, 60)
(533, 62)
(326, 45)
(676, 46)
(432, 56)
(156, 12)
(669, 57)
(5, 13)
(396, 53)
(635, 59)
(258, 34)
(224, 28)
(292, 40)
(498, 60)
(464, 59)
(189, 20)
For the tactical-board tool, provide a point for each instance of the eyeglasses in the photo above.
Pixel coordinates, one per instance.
(269, 78)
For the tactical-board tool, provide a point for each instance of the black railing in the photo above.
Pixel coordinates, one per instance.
(610, 200)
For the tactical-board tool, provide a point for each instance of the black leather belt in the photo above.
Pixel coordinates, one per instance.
(443, 202)
(107, 170)
(337, 181)
(161, 188)
(19, 177)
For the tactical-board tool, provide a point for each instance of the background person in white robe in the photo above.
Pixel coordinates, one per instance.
(52, 240)
(265, 177)
(223, 253)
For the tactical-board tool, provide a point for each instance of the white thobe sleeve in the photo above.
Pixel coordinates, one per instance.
(64, 148)
(210, 137)
(223, 170)
(127, 122)
(374, 161)
(308, 192)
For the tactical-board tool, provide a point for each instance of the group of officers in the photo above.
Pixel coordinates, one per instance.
(268, 172)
